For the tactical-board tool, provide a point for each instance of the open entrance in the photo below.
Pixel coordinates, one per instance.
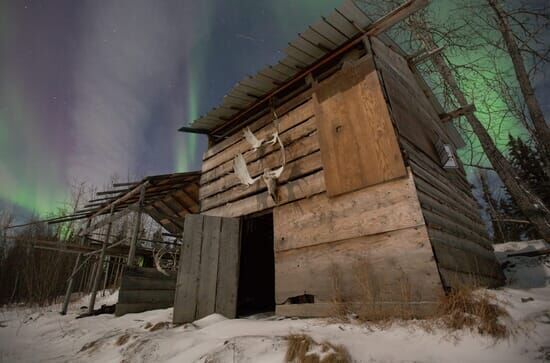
(257, 266)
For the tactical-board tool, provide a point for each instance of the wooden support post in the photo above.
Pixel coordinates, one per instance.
(118, 271)
(97, 276)
(107, 270)
(93, 271)
(366, 44)
(70, 283)
(82, 278)
(89, 274)
(137, 226)
(70, 286)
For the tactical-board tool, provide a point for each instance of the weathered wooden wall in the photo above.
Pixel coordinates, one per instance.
(357, 139)
(371, 243)
(394, 240)
(143, 289)
(457, 233)
(220, 192)
(208, 273)
(358, 154)
(322, 236)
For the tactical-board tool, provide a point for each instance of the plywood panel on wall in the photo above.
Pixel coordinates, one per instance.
(358, 143)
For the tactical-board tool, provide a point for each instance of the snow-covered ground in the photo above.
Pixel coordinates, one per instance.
(32, 335)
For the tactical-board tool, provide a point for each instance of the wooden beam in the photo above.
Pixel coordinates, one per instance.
(186, 198)
(423, 56)
(461, 111)
(72, 247)
(115, 191)
(128, 184)
(108, 220)
(122, 198)
(395, 16)
(170, 213)
(137, 225)
(70, 283)
(172, 198)
(375, 28)
(191, 130)
(100, 263)
(163, 216)
(545, 251)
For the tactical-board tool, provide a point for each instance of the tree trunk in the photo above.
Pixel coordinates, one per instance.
(530, 205)
(541, 129)
(497, 228)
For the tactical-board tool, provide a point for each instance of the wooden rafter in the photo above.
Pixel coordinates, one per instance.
(461, 111)
(378, 27)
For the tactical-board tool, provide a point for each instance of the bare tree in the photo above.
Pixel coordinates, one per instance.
(531, 206)
(498, 234)
(541, 131)
(417, 31)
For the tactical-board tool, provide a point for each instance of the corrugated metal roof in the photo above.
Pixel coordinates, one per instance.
(344, 23)
(320, 38)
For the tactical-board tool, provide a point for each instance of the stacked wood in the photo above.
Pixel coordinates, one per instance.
(143, 289)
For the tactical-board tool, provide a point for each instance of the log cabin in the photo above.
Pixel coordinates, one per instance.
(331, 182)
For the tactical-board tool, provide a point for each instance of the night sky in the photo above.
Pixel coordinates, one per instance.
(95, 88)
(90, 89)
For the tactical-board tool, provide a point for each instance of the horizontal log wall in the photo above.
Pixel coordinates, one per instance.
(362, 247)
(221, 193)
(143, 289)
(458, 236)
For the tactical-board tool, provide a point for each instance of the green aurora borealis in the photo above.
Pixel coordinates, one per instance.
(229, 40)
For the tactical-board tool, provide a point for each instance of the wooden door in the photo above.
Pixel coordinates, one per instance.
(208, 274)
(358, 144)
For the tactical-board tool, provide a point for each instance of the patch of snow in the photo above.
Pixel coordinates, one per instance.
(32, 335)
(524, 272)
(209, 320)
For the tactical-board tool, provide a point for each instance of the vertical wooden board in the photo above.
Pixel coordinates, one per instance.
(228, 267)
(206, 302)
(358, 143)
(185, 302)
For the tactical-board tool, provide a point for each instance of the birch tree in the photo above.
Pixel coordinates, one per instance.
(530, 204)
(422, 35)
(541, 131)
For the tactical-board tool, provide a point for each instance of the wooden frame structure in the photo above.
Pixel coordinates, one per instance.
(165, 198)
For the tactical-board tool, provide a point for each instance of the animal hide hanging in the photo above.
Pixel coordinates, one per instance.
(269, 176)
(241, 170)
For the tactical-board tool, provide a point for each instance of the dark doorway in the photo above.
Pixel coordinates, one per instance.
(257, 266)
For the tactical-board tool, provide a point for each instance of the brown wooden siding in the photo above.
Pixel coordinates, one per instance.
(458, 236)
(376, 233)
(357, 139)
(143, 289)
(221, 194)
